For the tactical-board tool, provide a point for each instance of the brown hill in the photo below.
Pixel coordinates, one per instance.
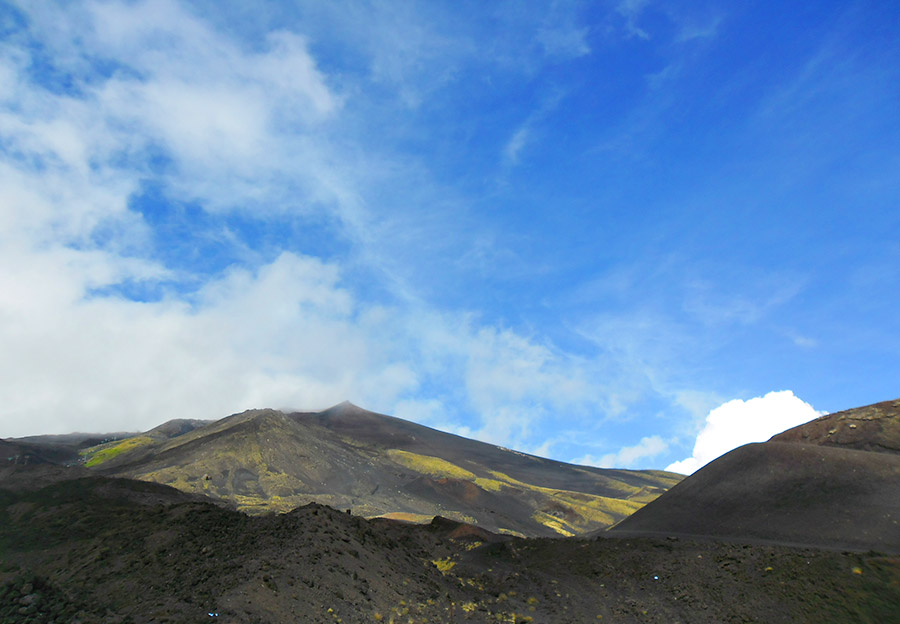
(870, 428)
(831, 483)
(377, 465)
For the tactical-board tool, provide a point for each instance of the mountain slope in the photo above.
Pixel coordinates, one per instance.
(870, 428)
(349, 458)
(805, 486)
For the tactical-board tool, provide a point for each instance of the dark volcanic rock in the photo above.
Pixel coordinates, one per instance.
(784, 493)
(93, 550)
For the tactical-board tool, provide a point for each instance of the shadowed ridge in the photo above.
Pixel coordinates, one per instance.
(783, 493)
(13, 452)
(870, 428)
(61, 449)
(76, 440)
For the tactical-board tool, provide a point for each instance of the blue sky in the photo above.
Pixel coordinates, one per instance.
(603, 232)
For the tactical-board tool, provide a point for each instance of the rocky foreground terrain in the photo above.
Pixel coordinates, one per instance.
(96, 549)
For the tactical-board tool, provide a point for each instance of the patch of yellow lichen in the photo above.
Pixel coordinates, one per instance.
(432, 466)
(557, 524)
(491, 485)
(405, 516)
(589, 508)
(444, 565)
(104, 452)
(459, 516)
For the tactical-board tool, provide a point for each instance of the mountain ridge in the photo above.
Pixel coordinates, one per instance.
(873, 427)
(265, 460)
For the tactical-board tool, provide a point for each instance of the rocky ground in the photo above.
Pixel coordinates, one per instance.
(111, 550)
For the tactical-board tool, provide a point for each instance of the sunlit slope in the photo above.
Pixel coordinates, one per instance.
(349, 458)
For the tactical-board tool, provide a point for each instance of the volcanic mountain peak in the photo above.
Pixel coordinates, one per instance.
(348, 457)
(346, 408)
(347, 418)
(177, 427)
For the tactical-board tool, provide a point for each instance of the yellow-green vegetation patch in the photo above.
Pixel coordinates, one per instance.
(279, 484)
(432, 466)
(251, 505)
(491, 485)
(513, 532)
(667, 479)
(459, 516)
(104, 452)
(406, 516)
(588, 507)
(646, 495)
(444, 565)
(175, 478)
(557, 524)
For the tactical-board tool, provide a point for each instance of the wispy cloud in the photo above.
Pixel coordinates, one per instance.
(692, 29)
(515, 144)
(527, 131)
(205, 207)
(629, 456)
(631, 10)
(240, 131)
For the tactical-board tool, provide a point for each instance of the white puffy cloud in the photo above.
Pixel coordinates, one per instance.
(239, 126)
(739, 422)
(256, 125)
(244, 128)
(286, 335)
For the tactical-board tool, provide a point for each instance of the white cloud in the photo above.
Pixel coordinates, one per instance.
(240, 126)
(245, 129)
(286, 335)
(629, 456)
(739, 422)
(258, 126)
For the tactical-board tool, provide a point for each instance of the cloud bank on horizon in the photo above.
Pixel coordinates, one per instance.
(591, 231)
